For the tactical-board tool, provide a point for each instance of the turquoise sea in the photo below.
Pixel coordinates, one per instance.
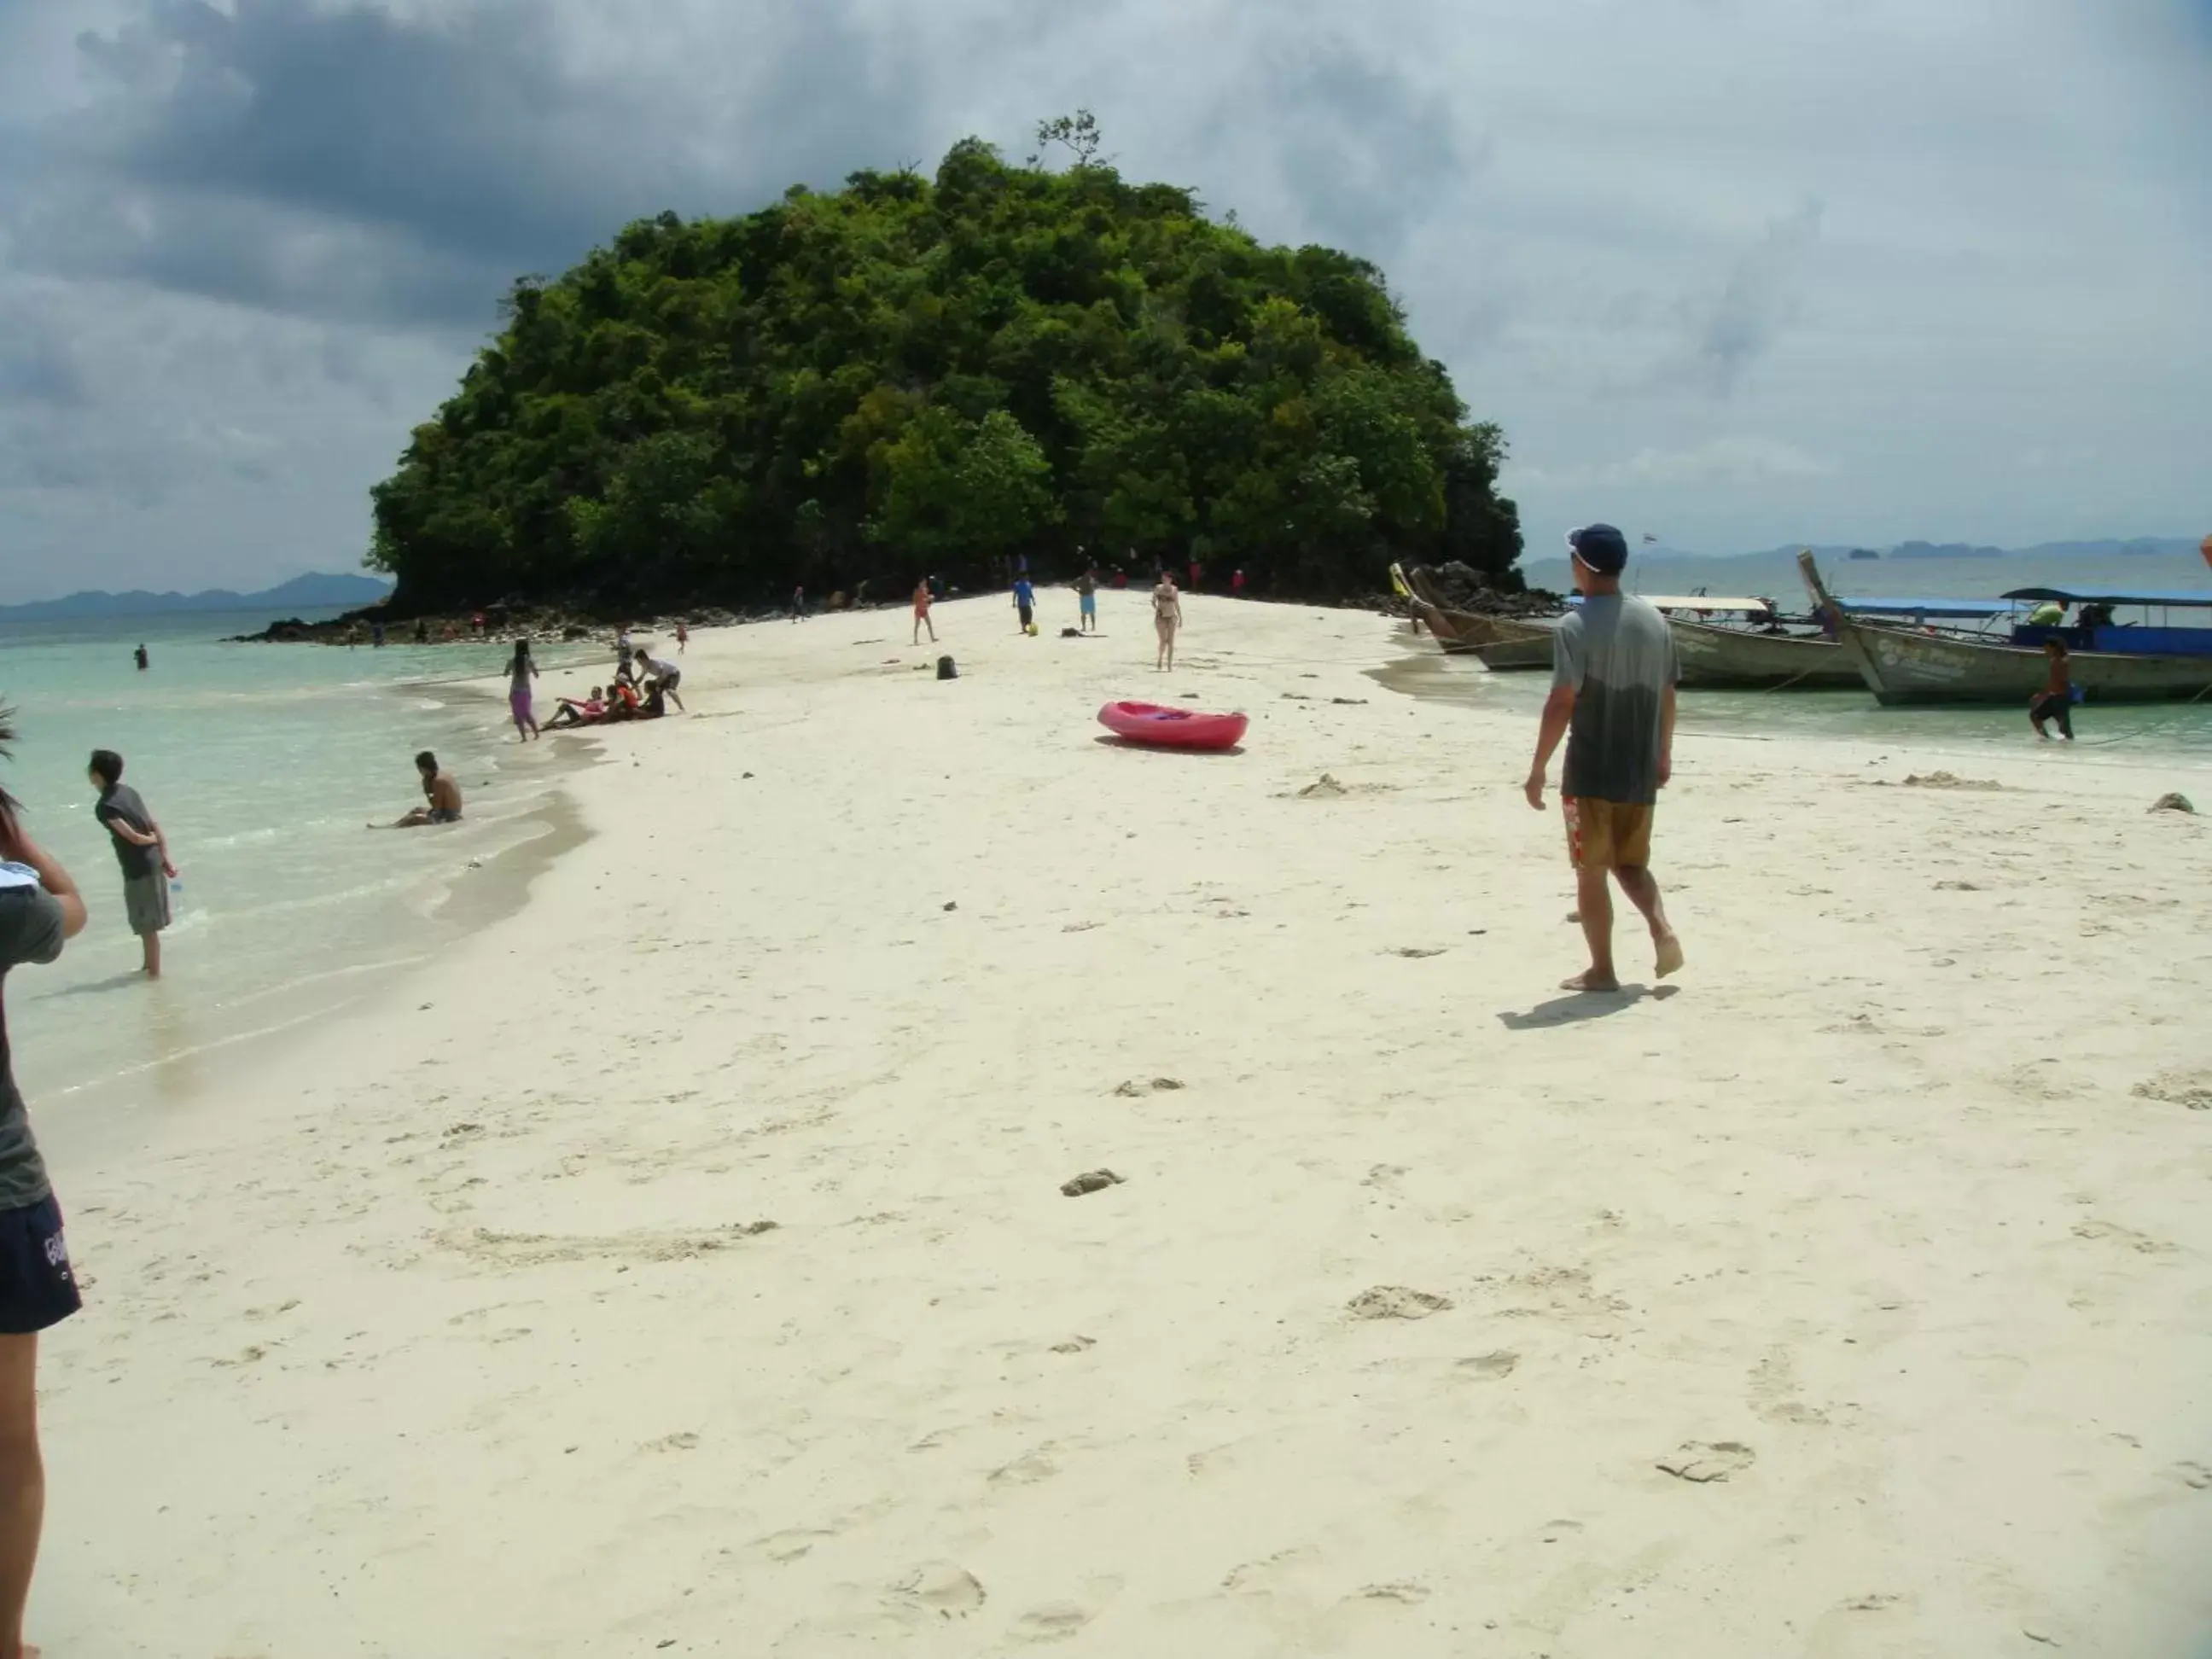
(263, 764)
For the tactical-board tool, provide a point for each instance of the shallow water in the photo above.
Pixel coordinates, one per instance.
(263, 764)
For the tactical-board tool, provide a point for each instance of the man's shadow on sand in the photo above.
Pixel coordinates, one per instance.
(1576, 1006)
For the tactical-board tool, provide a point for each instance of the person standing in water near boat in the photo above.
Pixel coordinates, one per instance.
(520, 671)
(141, 851)
(1612, 699)
(40, 908)
(2055, 701)
(1167, 619)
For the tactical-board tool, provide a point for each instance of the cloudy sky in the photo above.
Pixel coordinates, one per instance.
(1733, 271)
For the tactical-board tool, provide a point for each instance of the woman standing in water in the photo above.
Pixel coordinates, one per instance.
(519, 672)
(1167, 619)
(39, 907)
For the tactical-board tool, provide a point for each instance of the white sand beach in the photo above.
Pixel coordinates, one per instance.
(463, 1329)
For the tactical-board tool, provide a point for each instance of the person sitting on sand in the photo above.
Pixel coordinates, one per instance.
(654, 704)
(439, 790)
(2055, 701)
(1612, 699)
(621, 703)
(570, 712)
(666, 675)
(1167, 619)
(921, 604)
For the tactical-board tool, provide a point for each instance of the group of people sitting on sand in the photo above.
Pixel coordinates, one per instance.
(642, 689)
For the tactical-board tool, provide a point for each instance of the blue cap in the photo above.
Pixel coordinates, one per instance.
(1601, 547)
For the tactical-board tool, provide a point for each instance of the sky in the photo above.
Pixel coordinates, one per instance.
(1730, 272)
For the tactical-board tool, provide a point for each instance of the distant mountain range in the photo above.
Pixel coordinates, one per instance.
(309, 592)
(1956, 570)
(2136, 547)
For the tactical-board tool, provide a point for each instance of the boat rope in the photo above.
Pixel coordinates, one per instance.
(2148, 731)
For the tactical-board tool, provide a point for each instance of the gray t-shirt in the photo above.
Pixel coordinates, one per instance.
(122, 803)
(30, 931)
(1618, 655)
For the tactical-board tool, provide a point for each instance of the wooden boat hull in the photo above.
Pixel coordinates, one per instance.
(1498, 643)
(1906, 665)
(1717, 659)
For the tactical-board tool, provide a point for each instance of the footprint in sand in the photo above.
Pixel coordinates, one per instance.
(2188, 1089)
(2139, 1242)
(1027, 1470)
(948, 1590)
(1055, 1621)
(1396, 1302)
(1705, 1462)
(1488, 1367)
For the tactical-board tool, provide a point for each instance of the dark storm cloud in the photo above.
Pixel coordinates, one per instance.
(354, 162)
(1363, 148)
(1731, 330)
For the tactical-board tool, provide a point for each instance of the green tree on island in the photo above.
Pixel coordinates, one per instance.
(916, 374)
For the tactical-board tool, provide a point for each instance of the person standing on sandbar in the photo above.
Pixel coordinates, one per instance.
(1612, 699)
(1167, 619)
(141, 851)
(39, 909)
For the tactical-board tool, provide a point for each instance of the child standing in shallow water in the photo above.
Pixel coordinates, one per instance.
(519, 672)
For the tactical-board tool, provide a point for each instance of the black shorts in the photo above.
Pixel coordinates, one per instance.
(37, 1288)
(1025, 616)
(670, 681)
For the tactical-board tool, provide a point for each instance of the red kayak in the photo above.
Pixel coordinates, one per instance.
(1172, 728)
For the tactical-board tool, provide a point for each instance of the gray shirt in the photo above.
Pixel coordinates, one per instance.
(30, 931)
(1617, 654)
(122, 805)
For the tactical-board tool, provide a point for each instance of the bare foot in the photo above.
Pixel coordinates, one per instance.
(1670, 955)
(1590, 980)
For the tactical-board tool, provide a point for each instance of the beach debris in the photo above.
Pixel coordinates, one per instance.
(2171, 803)
(1074, 1345)
(745, 775)
(683, 1441)
(952, 904)
(1091, 1181)
(1349, 703)
(1134, 1089)
(1079, 927)
(1296, 696)
(1958, 887)
(2035, 1634)
(1949, 780)
(1418, 953)
(1396, 1302)
(1324, 787)
(1163, 1084)
(1704, 1462)
(1870, 1604)
(947, 669)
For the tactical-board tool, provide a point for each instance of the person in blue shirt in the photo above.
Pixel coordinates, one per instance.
(1024, 601)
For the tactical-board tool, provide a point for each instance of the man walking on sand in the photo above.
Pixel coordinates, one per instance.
(141, 851)
(1612, 698)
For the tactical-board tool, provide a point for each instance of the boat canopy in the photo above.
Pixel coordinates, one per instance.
(2200, 598)
(1930, 607)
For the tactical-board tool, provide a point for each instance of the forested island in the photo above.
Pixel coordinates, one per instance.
(918, 374)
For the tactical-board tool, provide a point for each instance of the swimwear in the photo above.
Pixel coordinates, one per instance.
(445, 815)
